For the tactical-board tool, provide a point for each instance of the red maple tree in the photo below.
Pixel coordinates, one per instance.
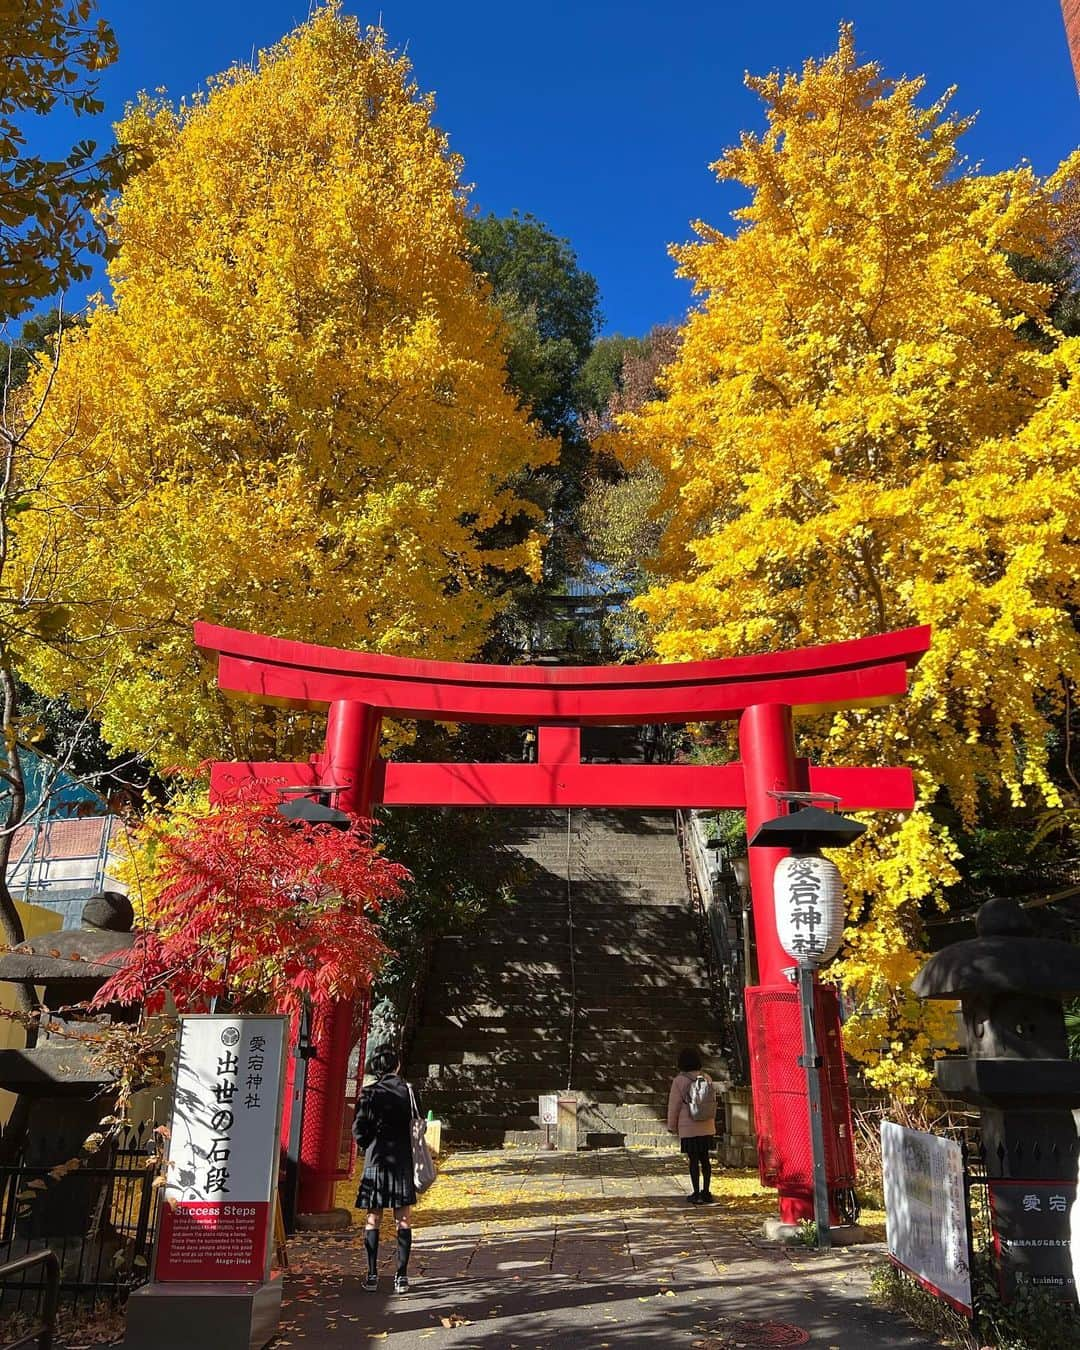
(259, 913)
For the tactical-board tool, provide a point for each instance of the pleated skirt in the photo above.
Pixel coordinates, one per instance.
(698, 1145)
(383, 1187)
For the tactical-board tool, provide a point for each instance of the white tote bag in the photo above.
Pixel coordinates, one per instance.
(423, 1165)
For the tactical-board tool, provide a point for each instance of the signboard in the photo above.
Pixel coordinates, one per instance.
(549, 1108)
(925, 1217)
(1031, 1235)
(223, 1149)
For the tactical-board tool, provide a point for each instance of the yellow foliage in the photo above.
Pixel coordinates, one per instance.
(292, 417)
(139, 853)
(859, 435)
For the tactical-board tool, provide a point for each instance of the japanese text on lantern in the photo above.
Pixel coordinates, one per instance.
(805, 893)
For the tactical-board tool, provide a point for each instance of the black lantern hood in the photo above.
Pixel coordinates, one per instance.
(1006, 957)
(313, 813)
(806, 830)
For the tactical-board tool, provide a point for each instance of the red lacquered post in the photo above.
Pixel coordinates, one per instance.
(352, 740)
(767, 750)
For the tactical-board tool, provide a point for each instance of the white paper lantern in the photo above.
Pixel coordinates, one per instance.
(809, 897)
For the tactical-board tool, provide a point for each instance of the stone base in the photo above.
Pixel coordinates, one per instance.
(784, 1234)
(841, 1234)
(333, 1221)
(225, 1316)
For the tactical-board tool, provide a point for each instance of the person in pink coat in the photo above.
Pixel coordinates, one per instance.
(696, 1137)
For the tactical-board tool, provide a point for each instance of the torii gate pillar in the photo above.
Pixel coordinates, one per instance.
(352, 741)
(767, 750)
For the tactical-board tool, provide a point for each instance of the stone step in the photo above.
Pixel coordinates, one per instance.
(528, 1117)
(506, 1000)
(602, 901)
(652, 923)
(656, 1009)
(588, 1029)
(535, 1068)
(590, 961)
(608, 891)
(536, 1139)
(496, 1018)
(611, 853)
(603, 862)
(646, 1022)
(494, 1103)
(462, 1080)
(555, 949)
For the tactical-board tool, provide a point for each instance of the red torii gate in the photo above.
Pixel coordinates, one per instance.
(764, 692)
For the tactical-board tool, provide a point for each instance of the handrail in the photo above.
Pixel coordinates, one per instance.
(701, 883)
(573, 967)
(42, 1334)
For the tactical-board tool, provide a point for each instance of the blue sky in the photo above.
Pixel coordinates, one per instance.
(601, 118)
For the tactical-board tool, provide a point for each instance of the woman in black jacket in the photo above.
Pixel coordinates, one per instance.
(383, 1128)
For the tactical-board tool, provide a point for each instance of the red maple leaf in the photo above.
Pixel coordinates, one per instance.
(260, 912)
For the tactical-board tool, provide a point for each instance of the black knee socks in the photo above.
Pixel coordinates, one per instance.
(371, 1245)
(404, 1247)
(695, 1175)
(706, 1174)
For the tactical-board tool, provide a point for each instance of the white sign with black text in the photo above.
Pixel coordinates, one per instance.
(223, 1149)
(925, 1216)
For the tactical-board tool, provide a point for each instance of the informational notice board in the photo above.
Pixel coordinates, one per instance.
(223, 1150)
(925, 1215)
(1032, 1237)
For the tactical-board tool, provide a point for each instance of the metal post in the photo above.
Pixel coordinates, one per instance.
(811, 1062)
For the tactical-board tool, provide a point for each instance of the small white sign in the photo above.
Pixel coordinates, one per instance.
(925, 1218)
(223, 1149)
(549, 1108)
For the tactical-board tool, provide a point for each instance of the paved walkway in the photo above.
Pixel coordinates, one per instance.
(590, 1250)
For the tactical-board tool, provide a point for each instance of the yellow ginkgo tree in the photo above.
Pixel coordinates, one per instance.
(291, 415)
(870, 423)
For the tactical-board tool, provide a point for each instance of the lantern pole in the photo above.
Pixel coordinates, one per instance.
(807, 892)
(811, 1062)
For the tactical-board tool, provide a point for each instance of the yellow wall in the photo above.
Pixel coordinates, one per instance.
(35, 920)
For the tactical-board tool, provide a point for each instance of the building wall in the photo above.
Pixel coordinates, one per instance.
(60, 863)
(1071, 11)
(35, 921)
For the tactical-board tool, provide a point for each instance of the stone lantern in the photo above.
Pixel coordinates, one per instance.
(1011, 986)
(68, 1093)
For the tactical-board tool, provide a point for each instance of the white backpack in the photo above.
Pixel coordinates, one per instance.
(701, 1099)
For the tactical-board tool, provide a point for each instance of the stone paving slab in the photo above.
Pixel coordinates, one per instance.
(508, 1255)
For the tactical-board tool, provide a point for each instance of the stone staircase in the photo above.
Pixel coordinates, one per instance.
(593, 986)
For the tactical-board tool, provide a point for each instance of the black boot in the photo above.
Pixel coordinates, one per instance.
(706, 1178)
(695, 1181)
(404, 1247)
(371, 1246)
